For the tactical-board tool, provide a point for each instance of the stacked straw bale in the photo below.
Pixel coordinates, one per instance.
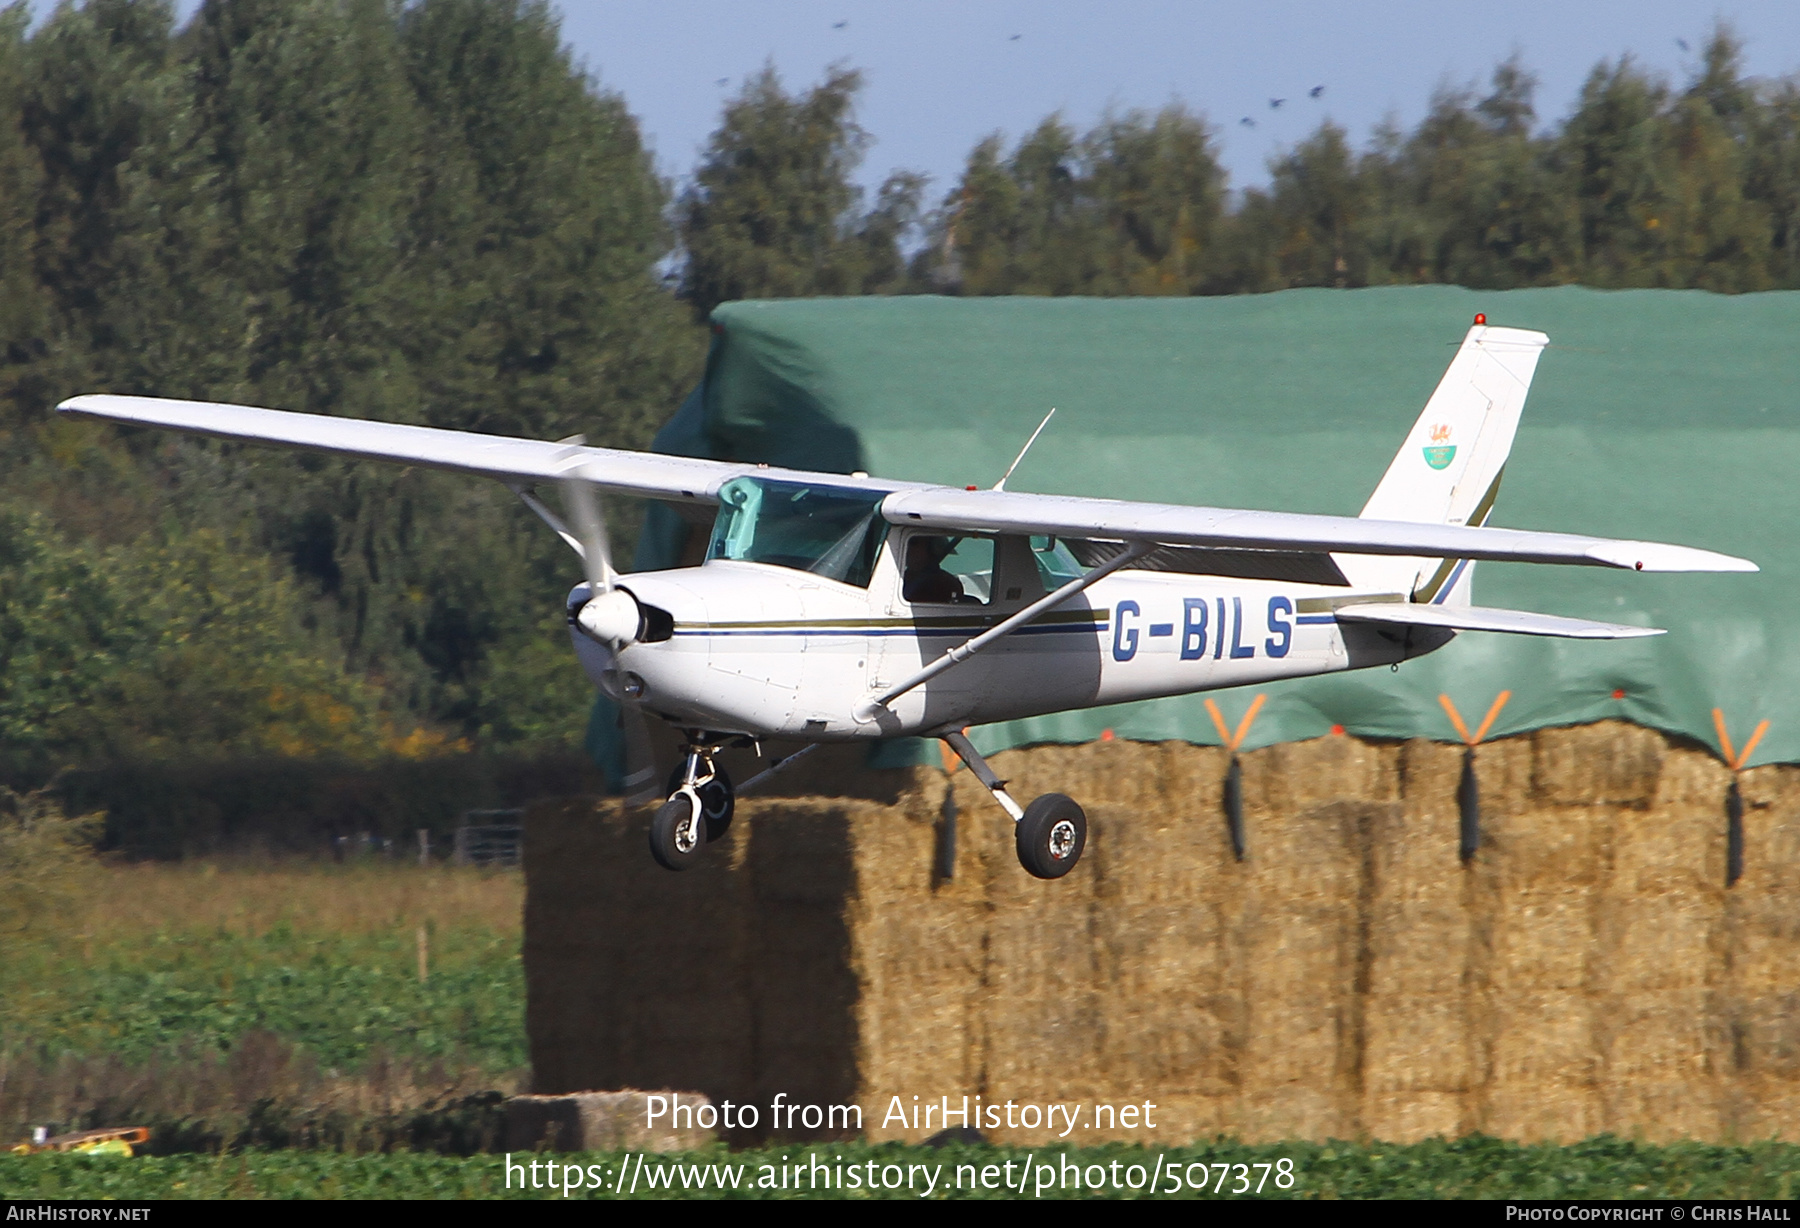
(1587, 971)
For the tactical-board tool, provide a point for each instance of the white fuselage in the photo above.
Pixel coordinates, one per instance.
(773, 652)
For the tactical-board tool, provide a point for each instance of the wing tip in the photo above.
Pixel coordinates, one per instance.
(1655, 556)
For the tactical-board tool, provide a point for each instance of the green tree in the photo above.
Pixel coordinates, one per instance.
(1715, 237)
(1469, 197)
(773, 211)
(1610, 150)
(1310, 228)
(1159, 190)
(26, 336)
(421, 213)
(165, 646)
(1131, 207)
(1772, 178)
(85, 96)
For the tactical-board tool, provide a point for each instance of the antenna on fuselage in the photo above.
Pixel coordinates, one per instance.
(1001, 484)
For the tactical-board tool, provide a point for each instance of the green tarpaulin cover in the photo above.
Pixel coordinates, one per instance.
(1667, 415)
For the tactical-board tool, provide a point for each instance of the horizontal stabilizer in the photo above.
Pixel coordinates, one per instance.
(1481, 618)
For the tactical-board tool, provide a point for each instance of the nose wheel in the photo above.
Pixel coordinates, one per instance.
(699, 810)
(675, 839)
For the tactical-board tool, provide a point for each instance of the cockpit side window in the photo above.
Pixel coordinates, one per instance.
(830, 531)
(948, 570)
(1056, 565)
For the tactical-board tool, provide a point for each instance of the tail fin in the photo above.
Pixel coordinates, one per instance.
(1448, 471)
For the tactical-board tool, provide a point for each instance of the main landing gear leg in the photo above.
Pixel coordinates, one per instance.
(1050, 833)
(699, 809)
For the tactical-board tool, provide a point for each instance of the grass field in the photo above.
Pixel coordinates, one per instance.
(321, 955)
(193, 993)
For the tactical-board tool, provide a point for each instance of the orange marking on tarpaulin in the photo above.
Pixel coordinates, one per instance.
(1751, 744)
(1462, 730)
(1724, 739)
(1487, 722)
(1234, 740)
(1735, 760)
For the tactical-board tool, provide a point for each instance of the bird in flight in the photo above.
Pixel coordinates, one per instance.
(839, 25)
(1013, 39)
(1315, 91)
(1681, 43)
(1275, 103)
(1247, 122)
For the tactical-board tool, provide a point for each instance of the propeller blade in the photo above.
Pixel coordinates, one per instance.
(590, 526)
(583, 504)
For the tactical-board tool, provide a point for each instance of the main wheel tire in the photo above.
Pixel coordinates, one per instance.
(674, 834)
(1051, 836)
(717, 801)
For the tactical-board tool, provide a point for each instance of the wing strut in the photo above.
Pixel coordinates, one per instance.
(867, 710)
(530, 500)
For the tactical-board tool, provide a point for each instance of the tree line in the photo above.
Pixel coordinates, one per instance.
(428, 212)
(1643, 184)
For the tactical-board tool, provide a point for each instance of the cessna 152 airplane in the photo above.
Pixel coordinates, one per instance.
(835, 607)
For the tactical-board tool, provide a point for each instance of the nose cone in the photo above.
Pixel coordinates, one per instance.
(613, 619)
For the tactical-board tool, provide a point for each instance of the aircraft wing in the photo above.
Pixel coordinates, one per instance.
(1005, 511)
(494, 456)
(681, 478)
(1485, 618)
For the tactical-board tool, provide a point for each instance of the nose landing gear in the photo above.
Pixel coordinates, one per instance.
(701, 799)
(701, 803)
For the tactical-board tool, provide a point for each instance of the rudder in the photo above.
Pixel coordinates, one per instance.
(1448, 470)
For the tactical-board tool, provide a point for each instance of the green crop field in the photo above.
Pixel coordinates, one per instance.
(320, 955)
(1468, 1168)
(256, 1003)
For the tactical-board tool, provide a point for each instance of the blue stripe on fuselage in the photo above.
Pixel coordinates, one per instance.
(909, 632)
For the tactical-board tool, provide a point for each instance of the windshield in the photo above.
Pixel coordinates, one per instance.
(829, 531)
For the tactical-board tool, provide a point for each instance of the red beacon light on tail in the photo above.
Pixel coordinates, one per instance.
(1481, 317)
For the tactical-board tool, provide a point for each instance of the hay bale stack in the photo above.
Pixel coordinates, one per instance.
(1662, 953)
(1606, 764)
(1587, 971)
(920, 958)
(590, 907)
(734, 978)
(1424, 968)
(1761, 1024)
(609, 1121)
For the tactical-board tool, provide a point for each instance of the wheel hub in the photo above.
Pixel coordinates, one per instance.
(1062, 839)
